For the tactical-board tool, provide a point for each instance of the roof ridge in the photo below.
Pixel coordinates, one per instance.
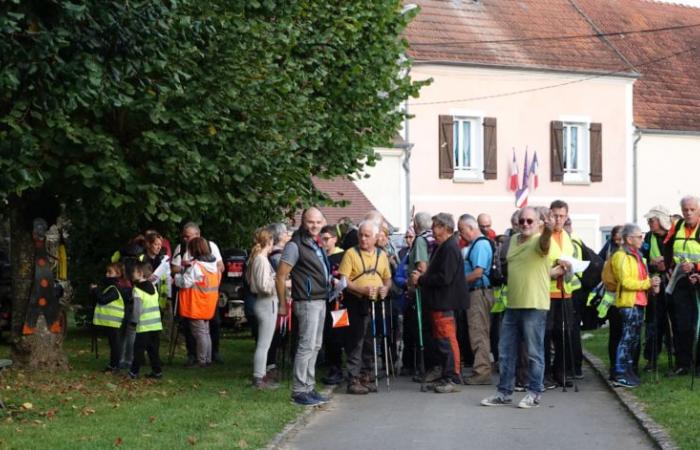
(601, 35)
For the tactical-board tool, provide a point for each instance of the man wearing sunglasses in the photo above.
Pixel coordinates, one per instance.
(525, 317)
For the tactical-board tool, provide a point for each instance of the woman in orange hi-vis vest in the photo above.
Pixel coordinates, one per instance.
(199, 295)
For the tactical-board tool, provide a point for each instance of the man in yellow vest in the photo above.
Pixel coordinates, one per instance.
(659, 221)
(560, 316)
(684, 244)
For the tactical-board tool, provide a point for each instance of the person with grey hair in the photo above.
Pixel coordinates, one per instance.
(684, 249)
(444, 291)
(633, 282)
(657, 312)
(418, 257)
(478, 258)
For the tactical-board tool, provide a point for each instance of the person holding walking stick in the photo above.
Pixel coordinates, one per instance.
(444, 291)
(366, 270)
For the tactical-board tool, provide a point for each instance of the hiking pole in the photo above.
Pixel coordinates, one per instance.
(567, 309)
(283, 346)
(386, 348)
(420, 340)
(392, 341)
(563, 336)
(655, 336)
(697, 335)
(374, 346)
(174, 332)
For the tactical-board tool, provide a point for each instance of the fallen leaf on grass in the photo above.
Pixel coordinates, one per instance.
(38, 422)
(51, 413)
(213, 425)
(111, 386)
(26, 406)
(87, 411)
(118, 441)
(152, 419)
(191, 440)
(242, 444)
(222, 393)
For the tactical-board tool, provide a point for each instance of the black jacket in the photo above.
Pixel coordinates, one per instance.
(443, 285)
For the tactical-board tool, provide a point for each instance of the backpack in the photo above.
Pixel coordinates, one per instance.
(592, 275)
(496, 277)
(608, 276)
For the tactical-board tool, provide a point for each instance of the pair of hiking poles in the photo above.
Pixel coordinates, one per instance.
(388, 359)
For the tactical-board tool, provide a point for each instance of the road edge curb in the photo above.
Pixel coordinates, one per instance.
(656, 432)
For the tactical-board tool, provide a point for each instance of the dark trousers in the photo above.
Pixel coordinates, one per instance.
(411, 338)
(115, 345)
(614, 338)
(686, 314)
(560, 325)
(656, 327)
(150, 343)
(495, 332)
(333, 339)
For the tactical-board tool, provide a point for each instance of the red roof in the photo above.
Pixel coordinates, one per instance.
(667, 95)
(464, 30)
(341, 188)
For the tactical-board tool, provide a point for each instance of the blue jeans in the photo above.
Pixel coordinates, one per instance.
(522, 325)
(628, 348)
(311, 316)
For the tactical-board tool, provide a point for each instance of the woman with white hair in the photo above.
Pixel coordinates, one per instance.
(633, 280)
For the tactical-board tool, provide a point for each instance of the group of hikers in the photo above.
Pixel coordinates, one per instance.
(456, 293)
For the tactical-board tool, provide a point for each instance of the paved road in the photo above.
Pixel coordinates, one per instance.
(408, 419)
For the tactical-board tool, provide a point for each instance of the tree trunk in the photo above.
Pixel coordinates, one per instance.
(43, 349)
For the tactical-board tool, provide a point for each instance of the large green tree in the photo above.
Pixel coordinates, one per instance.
(145, 113)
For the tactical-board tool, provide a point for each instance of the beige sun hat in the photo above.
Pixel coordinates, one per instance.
(662, 213)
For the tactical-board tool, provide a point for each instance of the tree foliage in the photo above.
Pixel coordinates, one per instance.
(143, 113)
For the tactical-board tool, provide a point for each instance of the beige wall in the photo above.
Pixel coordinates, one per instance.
(523, 120)
(667, 167)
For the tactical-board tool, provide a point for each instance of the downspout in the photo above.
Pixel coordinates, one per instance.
(637, 137)
(407, 167)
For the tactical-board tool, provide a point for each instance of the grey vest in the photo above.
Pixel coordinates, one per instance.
(308, 275)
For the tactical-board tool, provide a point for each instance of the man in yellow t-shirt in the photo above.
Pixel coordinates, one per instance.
(366, 269)
(525, 317)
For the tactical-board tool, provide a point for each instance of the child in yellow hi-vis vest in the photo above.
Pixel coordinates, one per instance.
(109, 311)
(146, 320)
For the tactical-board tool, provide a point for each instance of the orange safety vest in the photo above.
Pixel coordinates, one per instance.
(199, 301)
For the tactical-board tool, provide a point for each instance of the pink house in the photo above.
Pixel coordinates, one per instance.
(515, 77)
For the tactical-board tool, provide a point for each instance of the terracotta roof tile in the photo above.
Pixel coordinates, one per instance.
(342, 189)
(667, 95)
(446, 31)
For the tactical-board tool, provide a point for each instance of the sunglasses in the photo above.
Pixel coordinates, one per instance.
(526, 221)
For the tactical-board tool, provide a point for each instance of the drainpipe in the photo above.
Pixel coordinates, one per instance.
(407, 167)
(635, 206)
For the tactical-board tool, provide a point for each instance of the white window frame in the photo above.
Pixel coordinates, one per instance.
(475, 171)
(581, 175)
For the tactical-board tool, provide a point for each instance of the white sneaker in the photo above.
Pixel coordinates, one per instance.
(530, 401)
(497, 400)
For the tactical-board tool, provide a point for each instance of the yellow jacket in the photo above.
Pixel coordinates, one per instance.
(626, 271)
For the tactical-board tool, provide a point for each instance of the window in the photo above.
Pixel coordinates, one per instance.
(467, 150)
(576, 153)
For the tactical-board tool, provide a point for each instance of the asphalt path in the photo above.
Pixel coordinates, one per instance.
(406, 418)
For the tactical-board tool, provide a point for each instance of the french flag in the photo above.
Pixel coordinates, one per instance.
(513, 174)
(533, 172)
(522, 194)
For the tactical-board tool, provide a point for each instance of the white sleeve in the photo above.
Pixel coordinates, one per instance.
(189, 277)
(215, 251)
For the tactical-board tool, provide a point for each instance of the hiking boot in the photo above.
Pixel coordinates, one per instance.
(681, 371)
(497, 400)
(304, 399)
(531, 400)
(322, 399)
(262, 384)
(334, 377)
(476, 380)
(549, 384)
(368, 383)
(154, 375)
(435, 374)
(622, 381)
(273, 375)
(446, 387)
(566, 382)
(519, 387)
(110, 370)
(131, 375)
(356, 388)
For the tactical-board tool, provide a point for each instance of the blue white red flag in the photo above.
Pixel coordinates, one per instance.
(524, 191)
(513, 186)
(533, 172)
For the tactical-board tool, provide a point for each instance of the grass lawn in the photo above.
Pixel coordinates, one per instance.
(83, 408)
(670, 402)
